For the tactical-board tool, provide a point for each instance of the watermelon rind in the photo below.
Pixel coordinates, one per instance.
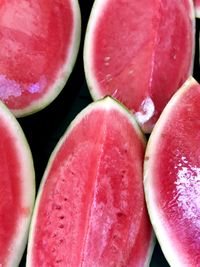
(197, 12)
(87, 56)
(26, 167)
(150, 251)
(106, 103)
(193, 21)
(98, 7)
(197, 8)
(168, 247)
(95, 15)
(63, 74)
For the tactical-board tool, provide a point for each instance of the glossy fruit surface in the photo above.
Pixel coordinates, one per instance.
(140, 52)
(39, 42)
(90, 210)
(172, 177)
(17, 189)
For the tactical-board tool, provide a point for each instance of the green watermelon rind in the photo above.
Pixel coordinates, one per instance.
(28, 187)
(169, 249)
(105, 103)
(63, 74)
(98, 7)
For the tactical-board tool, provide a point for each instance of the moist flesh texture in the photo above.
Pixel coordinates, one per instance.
(176, 177)
(34, 44)
(92, 210)
(11, 206)
(142, 53)
(197, 8)
(197, 4)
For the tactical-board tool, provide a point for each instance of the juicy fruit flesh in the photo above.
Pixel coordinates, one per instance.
(176, 178)
(92, 209)
(149, 60)
(33, 47)
(11, 208)
(197, 3)
(197, 8)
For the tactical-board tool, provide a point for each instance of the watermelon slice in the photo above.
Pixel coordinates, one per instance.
(90, 210)
(172, 177)
(39, 41)
(17, 189)
(140, 52)
(197, 8)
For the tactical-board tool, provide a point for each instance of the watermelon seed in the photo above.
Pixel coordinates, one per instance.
(121, 214)
(58, 261)
(58, 207)
(123, 172)
(72, 172)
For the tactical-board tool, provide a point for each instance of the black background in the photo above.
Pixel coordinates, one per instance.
(44, 129)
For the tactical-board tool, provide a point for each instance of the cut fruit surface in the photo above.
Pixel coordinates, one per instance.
(17, 189)
(172, 177)
(39, 42)
(139, 52)
(90, 210)
(197, 8)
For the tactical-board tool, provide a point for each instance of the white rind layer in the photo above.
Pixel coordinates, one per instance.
(105, 104)
(169, 248)
(63, 73)
(150, 250)
(197, 12)
(192, 17)
(27, 185)
(88, 52)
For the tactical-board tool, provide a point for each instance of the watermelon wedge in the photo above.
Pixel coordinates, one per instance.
(139, 52)
(172, 177)
(39, 41)
(90, 210)
(17, 189)
(197, 8)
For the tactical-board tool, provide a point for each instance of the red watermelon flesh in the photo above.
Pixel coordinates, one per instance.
(140, 52)
(197, 8)
(17, 189)
(38, 45)
(172, 177)
(90, 210)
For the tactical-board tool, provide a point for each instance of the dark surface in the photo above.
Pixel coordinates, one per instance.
(44, 129)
